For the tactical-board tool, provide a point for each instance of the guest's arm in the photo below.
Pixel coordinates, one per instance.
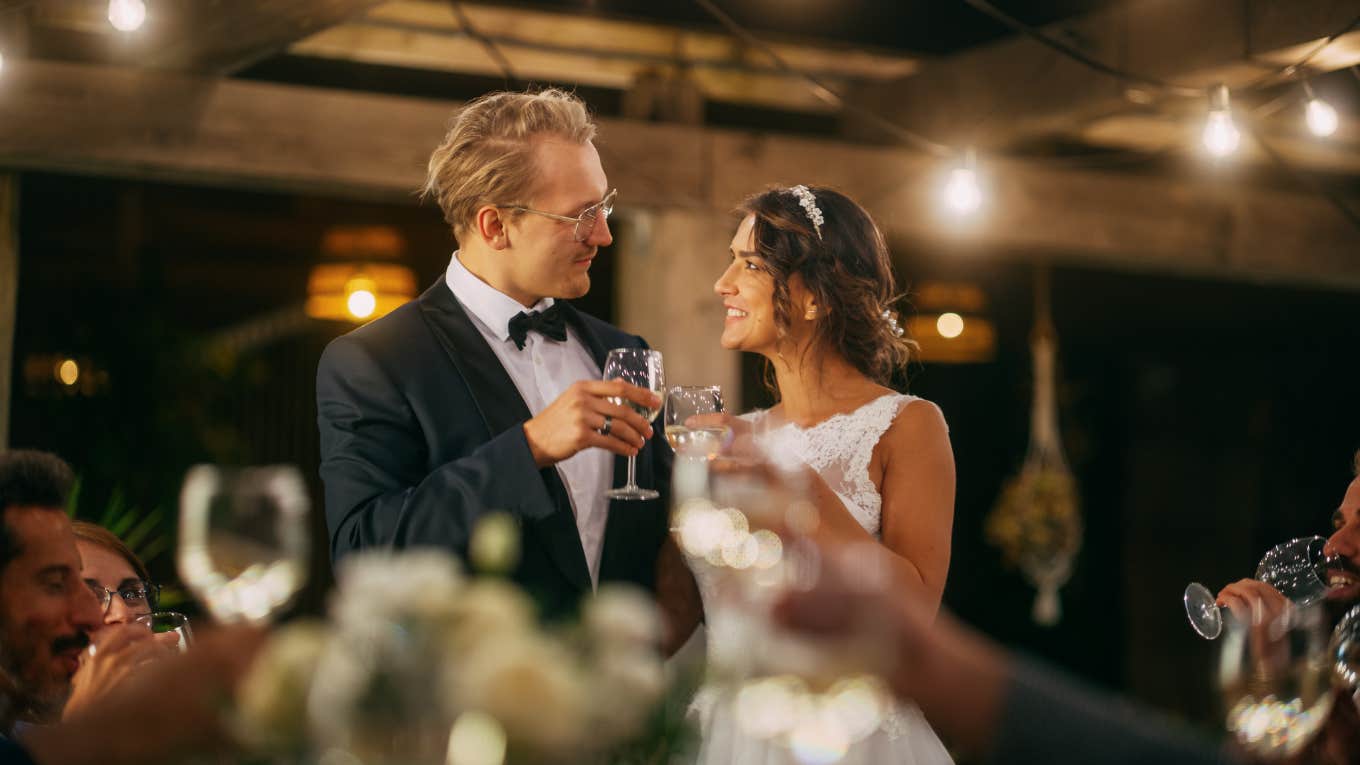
(978, 697)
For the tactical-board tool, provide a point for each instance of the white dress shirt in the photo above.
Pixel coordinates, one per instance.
(541, 372)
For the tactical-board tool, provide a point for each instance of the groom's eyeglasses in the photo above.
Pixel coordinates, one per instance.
(585, 222)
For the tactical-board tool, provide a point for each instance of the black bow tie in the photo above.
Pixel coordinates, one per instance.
(550, 323)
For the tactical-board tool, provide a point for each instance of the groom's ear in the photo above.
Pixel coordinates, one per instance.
(489, 224)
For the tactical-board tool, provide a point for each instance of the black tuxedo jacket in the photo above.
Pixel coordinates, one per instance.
(421, 435)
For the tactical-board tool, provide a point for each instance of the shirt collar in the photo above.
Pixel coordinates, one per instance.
(493, 308)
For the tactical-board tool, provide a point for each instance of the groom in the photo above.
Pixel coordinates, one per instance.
(484, 394)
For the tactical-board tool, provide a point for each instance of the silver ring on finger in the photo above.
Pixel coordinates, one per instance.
(607, 426)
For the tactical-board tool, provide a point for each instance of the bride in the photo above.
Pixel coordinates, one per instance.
(810, 288)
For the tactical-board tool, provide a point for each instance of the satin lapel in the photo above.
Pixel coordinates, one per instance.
(592, 343)
(501, 407)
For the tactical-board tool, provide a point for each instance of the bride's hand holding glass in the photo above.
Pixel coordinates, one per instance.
(697, 423)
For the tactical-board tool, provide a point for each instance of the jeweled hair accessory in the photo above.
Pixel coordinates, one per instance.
(809, 203)
(891, 319)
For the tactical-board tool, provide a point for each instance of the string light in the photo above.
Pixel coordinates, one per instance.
(962, 194)
(127, 15)
(1319, 114)
(1220, 134)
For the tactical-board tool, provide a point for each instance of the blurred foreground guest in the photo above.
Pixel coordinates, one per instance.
(972, 691)
(46, 612)
(169, 712)
(120, 582)
(1258, 603)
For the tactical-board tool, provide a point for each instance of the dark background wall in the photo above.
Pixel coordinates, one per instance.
(1205, 421)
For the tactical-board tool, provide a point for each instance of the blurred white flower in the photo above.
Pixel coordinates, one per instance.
(487, 609)
(476, 739)
(532, 686)
(494, 548)
(625, 686)
(272, 699)
(621, 615)
(384, 585)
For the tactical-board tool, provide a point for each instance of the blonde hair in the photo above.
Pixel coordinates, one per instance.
(487, 155)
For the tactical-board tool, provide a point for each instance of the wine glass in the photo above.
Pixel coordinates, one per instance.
(1296, 568)
(684, 402)
(243, 541)
(1276, 680)
(169, 621)
(640, 367)
(1345, 650)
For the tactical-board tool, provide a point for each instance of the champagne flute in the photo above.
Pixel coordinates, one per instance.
(686, 401)
(169, 621)
(1296, 568)
(640, 367)
(243, 541)
(1276, 680)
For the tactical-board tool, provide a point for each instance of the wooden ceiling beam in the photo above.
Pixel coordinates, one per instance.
(140, 124)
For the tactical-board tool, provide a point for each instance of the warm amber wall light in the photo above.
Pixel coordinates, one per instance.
(358, 291)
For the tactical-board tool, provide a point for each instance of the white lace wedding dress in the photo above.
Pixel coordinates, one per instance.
(839, 449)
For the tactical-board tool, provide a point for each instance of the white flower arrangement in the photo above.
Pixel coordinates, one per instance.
(414, 650)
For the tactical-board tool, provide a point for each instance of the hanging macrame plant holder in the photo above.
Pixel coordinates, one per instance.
(1037, 519)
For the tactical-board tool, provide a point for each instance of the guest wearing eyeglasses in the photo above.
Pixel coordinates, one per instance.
(122, 585)
(116, 576)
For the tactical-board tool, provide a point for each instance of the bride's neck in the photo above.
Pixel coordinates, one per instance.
(813, 387)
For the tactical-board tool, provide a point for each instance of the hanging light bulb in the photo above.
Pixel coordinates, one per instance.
(127, 15)
(1319, 114)
(1321, 118)
(962, 194)
(1220, 134)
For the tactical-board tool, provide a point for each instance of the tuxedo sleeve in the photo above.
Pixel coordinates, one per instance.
(1048, 718)
(374, 464)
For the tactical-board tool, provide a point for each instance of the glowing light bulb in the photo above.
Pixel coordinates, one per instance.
(361, 304)
(68, 372)
(2, 62)
(127, 15)
(1220, 134)
(962, 192)
(949, 325)
(1321, 117)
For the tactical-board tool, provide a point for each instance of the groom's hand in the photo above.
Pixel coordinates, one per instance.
(573, 422)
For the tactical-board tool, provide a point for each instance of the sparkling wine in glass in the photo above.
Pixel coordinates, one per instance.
(1276, 681)
(684, 402)
(640, 367)
(243, 543)
(169, 621)
(1297, 568)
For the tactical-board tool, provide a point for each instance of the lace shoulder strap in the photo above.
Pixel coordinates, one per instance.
(867, 426)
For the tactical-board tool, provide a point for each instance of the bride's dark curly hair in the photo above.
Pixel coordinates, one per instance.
(848, 271)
